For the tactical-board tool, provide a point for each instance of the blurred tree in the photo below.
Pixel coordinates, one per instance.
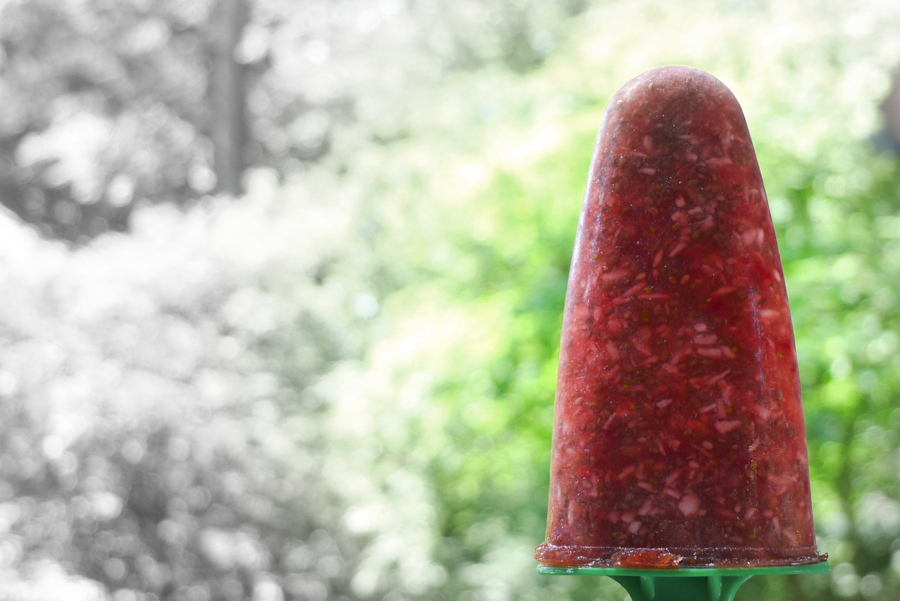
(147, 445)
(112, 104)
(517, 34)
(227, 91)
(163, 433)
(102, 104)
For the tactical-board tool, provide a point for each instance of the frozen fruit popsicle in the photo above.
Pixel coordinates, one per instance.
(679, 437)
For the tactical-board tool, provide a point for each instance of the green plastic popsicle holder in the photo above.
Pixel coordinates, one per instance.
(685, 584)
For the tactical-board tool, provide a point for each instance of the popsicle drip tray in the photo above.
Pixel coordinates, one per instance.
(685, 584)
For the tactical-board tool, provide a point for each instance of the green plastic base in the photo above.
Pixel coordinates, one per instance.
(685, 584)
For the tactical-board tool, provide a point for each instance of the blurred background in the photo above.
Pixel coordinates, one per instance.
(282, 283)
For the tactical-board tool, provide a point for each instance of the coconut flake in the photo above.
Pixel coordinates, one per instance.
(672, 477)
(628, 470)
(634, 289)
(642, 347)
(726, 426)
(574, 512)
(678, 248)
(713, 353)
(723, 290)
(612, 350)
(616, 275)
(705, 339)
(689, 504)
(769, 314)
(719, 376)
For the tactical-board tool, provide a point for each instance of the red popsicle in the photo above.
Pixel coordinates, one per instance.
(679, 437)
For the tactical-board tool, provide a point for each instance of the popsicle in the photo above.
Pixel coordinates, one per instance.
(679, 438)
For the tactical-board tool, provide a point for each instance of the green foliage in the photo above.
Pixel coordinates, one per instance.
(488, 303)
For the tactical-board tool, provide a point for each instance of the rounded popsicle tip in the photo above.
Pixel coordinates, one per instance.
(676, 95)
(673, 80)
(681, 123)
(675, 76)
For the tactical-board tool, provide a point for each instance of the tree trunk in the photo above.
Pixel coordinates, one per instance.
(228, 127)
